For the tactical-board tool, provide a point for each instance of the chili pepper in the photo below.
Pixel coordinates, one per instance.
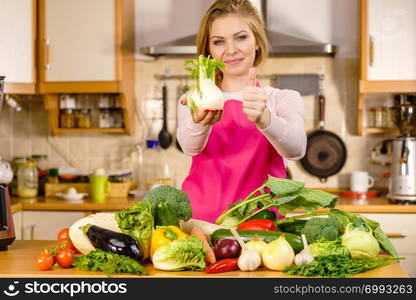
(223, 265)
(257, 224)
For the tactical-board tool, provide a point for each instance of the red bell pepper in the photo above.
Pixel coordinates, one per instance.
(223, 265)
(257, 224)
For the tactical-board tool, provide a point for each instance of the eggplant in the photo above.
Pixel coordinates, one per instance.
(112, 241)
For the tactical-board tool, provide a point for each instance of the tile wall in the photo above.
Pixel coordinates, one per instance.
(26, 132)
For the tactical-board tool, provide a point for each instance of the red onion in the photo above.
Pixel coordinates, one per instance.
(226, 248)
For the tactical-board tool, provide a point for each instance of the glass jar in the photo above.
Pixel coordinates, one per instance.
(118, 119)
(105, 118)
(84, 118)
(156, 168)
(67, 118)
(27, 180)
(378, 117)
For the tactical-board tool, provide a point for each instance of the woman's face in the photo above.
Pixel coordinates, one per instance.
(232, 41)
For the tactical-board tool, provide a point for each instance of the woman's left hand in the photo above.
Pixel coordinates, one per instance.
(254, 102)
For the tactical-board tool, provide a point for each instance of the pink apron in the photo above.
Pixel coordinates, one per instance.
(236, 160)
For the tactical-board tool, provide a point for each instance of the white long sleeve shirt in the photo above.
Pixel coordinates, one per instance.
(286, 131)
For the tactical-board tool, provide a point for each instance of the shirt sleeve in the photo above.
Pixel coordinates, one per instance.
(191, 136)
(286, 131)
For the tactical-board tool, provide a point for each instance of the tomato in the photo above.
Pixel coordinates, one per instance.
(65, 258)
(45, 261)
(63, 235)
(66, 244)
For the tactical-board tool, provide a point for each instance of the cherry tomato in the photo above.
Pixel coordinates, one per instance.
(45, 261)
(66, 244)
(63, 235)
(65, 258)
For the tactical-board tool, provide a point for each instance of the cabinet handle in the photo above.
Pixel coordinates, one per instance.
(46, 44)
(396, 235)
(31, 233)
(371, 51)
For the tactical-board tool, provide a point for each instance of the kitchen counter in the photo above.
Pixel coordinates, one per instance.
(358, 205)
(19, 261)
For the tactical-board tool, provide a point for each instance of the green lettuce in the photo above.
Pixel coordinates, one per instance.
(138, 222)
(185, 254)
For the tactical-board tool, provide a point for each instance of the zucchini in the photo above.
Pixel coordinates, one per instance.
(247, 235)
(165, 215)
(292, 227)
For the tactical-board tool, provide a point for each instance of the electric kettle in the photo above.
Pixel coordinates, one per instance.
(7, 234)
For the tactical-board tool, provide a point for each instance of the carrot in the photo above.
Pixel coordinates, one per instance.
(210, 253)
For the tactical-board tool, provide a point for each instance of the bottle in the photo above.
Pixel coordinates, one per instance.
(27, 180)
(42, 172)
(157, 169)
(53, 175)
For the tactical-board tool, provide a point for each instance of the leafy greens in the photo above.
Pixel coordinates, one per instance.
(284, 194)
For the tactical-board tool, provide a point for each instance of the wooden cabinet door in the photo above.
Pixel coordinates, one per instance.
(17, 43)
(45, 225)
(392, 39)
(78, 40)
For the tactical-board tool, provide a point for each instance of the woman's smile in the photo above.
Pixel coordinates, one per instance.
(233, 61)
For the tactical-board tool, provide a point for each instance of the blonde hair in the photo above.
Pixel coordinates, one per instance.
(242, 8)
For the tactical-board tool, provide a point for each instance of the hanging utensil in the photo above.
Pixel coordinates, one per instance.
(180, 91)
(165, 138)
(326, 153)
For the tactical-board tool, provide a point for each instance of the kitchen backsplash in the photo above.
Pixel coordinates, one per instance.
(26, 132)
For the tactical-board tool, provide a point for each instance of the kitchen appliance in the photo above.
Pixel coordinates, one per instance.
(281, 44)
(7, 234)
(402, 185)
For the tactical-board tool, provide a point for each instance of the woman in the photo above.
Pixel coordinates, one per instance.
(233, 151)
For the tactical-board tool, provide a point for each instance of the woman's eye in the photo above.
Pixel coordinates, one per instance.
(217, 42)
(241, 37)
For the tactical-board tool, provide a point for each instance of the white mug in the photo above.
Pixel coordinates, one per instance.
(361, 181)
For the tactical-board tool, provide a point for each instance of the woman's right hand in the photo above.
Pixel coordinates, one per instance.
(204, 117)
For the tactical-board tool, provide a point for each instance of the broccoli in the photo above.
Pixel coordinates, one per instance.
(178, 200)
(321, 228)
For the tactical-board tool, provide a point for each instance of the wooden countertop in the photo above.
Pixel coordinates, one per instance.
(358, 205)
(19, 261)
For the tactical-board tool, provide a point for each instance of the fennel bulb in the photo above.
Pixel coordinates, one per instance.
(204, 94)
(360, 243)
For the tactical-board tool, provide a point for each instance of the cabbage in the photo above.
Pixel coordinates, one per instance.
(360, 242)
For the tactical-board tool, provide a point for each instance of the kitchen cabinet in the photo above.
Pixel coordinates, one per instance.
(400, 229)
(87, 47)
(45, 225)
(70, 46)
(17, 222)
(387, 51)
(17, 51)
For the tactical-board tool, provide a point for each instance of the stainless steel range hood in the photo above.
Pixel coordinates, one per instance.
(280, 44)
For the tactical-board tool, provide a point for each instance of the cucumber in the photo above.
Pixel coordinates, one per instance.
(247, 235)
(165, 215)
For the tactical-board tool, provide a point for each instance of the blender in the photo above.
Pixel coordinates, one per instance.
(402, 185)
(7, 234)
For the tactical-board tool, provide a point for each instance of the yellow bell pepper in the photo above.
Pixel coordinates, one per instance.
(164, 235)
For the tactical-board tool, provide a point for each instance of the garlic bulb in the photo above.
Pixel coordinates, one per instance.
(249, 260)
(304, 256)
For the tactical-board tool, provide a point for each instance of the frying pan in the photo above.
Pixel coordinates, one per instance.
(325, 151)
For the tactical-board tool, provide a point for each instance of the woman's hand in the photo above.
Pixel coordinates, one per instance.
(254, 102)
(204, 117)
